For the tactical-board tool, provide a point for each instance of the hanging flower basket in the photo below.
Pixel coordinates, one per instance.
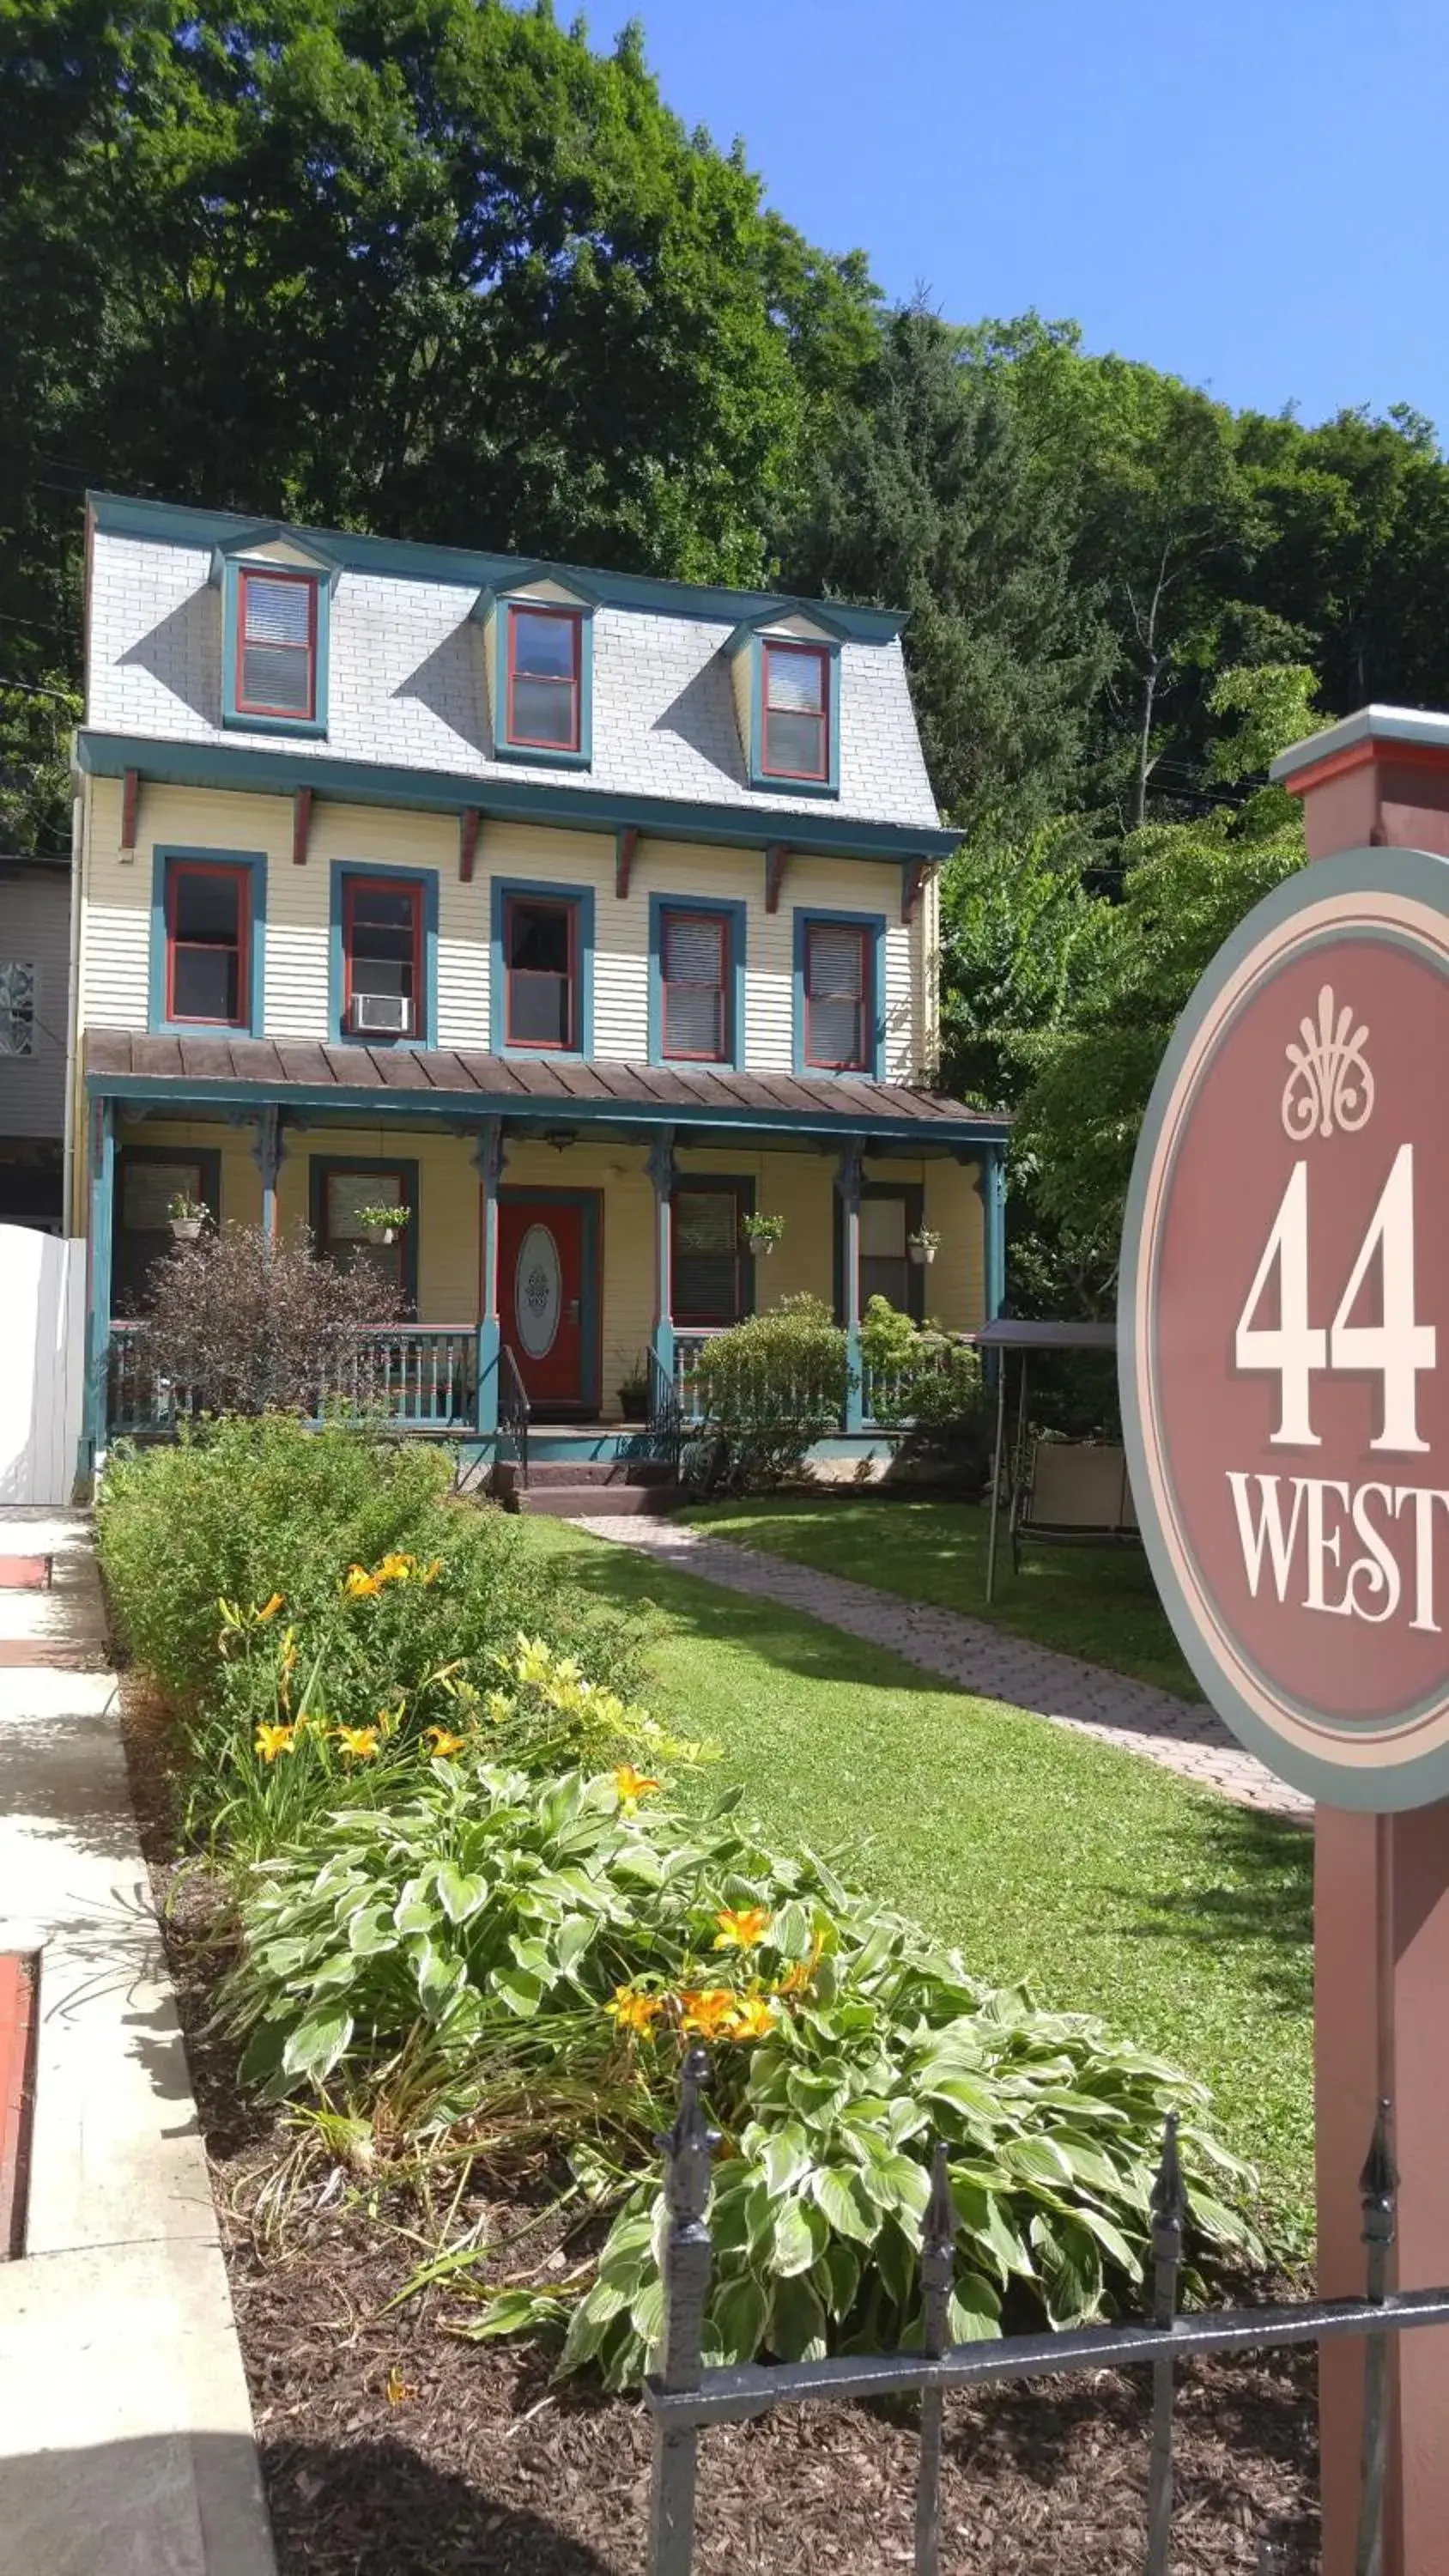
(186, 1217)
(761, 1234)
(923, 1246)
(383, 1224)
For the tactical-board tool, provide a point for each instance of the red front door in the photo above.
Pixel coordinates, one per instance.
(541, 1296)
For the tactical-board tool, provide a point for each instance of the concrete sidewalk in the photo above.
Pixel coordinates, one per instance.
(126, 2445)
(1181, 1735)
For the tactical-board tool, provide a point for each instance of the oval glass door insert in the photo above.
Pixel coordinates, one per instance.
(538, 1291)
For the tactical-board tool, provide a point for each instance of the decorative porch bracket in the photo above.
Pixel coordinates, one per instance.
(626, 846)
(130, 798)
(301, 825)
(468, 822)
(847, 1182)
(775, 856)
(915, 874)
(269, 1152)
(661, 1172)
(488, 1154)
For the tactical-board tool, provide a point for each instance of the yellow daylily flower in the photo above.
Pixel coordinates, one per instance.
(754, 2017)
(431, 1571)
(360, 1741)
(395, 1567)
(269, 1609)
(443, 1743)
(707, 2011)
(796, 1979)
(271, 1740)
(633, 2011)
(358, 1584)
(632, 1786)
(744, 1930)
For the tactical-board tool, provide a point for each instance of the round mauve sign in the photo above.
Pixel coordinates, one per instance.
(1283, 1330)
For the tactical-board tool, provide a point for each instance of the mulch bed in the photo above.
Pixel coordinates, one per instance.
(390, 2448)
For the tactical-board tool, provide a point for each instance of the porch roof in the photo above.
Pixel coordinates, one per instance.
(463, 1086)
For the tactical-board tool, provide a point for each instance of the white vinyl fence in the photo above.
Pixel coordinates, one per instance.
(42, 1364)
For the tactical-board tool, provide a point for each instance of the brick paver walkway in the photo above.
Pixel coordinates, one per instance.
(1183, 1735)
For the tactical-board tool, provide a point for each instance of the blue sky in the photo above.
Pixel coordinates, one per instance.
(1250, 193)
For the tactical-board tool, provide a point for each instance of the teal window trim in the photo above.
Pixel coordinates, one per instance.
(540, 890)
(776, 782)
(313, 727)
(741, 1187)
(318, 1168)
(534, 755)
(426, 1034)
(253, 965)
(590, 1204)
(735, 917)
(914, 1195)
(874, 925)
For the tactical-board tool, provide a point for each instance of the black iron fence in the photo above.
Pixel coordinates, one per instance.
(685, 2397)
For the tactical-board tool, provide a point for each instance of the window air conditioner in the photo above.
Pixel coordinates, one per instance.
(383, 1014)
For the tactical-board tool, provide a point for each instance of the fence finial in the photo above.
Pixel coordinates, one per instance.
(1169, 2191)
(689, 2146)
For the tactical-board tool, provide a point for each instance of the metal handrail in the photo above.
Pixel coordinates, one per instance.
(513, 1410)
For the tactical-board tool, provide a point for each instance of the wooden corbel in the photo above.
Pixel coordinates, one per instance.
(468, 822)
(130, 798)
(301, 825)
(914, 874)
(775, 856)
(626, 843)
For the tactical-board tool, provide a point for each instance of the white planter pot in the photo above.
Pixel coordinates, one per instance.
(763, 1249)
(382, 1234)
(186, 1229)
(923, 1254)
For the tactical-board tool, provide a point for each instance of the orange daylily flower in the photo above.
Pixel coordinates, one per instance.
(269, 1609)
(796, 1979)
(633, 2011)
(442, 1742)
(358, 1740)
(358, 1584)
(707, 2011)
(271, 1740)
(743, 1930)
(632, 1786)
(395, 1567)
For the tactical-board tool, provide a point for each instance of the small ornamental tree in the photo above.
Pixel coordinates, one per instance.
(240, 1323)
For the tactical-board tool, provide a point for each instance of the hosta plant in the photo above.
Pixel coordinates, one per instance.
(553, 1944)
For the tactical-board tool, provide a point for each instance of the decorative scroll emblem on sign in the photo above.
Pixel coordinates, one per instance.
(1330, 1084)
(1283, 1330)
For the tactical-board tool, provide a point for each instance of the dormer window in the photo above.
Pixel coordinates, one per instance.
(544, 669)
(796, 707)
(276, 654)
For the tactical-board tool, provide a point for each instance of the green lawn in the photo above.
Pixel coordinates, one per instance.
(1109, 1885)
(1093, 1601)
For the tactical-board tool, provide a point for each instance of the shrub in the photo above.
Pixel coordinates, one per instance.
(242, 1323)
(772, 1386)
(917, 1374)
(524, 1957)
(241, 1510)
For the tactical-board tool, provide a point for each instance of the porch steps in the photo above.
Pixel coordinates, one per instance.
(573, 1488)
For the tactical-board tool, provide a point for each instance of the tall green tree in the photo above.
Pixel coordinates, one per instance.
(926, 499)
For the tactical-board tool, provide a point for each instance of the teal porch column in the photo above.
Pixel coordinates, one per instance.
(101, 1142)
(661, 1173)
(847, 1182)
(992, 1185)
(269, 1153)
(488, 1155)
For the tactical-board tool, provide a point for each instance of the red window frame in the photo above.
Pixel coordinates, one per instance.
(570, 911)
(572, 618)
(817, 654)
(352, 886)
(861, 1063)
(242, 878)
(719, 922)
(705, 1185)
(255, 706)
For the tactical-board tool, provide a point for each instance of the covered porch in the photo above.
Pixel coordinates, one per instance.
(575, 1232)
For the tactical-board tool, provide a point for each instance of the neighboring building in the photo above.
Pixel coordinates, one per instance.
(34, 1008)
(581, 914)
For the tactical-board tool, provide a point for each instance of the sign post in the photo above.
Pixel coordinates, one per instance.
(1283, 1346)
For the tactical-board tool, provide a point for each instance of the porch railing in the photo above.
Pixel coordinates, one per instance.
(420, 1377)
(886, 1393)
